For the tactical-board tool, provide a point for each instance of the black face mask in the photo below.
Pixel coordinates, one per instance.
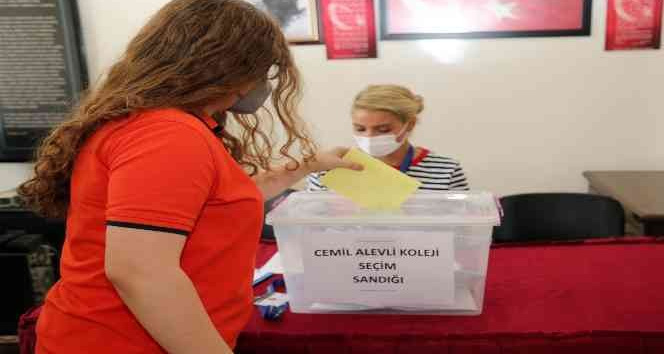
(253, 100)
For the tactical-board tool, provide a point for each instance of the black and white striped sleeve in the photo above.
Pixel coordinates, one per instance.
(313, 182)
(458, 182)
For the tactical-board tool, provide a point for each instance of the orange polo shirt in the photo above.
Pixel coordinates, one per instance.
(159, 170)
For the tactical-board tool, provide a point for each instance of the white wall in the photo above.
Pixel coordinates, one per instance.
(521, 114)
(656, 109)
(660, 145)
(12, 174)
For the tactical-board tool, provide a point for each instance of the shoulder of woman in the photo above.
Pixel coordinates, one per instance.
(165, 136)
(317, 175)
(436, 158)
(170, 116)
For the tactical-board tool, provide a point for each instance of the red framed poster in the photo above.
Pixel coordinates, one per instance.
(633, 24)
(350, 28)
(419, 19)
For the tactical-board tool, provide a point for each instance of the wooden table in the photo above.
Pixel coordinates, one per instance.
(640, 192)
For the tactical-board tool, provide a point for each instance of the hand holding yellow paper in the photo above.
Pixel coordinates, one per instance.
(378, 186)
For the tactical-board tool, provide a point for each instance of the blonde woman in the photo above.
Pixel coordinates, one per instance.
(383, 118)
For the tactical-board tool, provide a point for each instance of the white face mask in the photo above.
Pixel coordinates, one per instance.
(379, 146)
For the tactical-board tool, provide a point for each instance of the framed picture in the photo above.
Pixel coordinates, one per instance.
(350, 28)
(298, 18)
(424, 19)
(633, 24)
(35, 99)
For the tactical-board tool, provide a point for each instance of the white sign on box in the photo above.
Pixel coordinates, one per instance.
(383, 271)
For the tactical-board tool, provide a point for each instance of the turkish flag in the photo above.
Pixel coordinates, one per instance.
(467, 16)
(633, 24)
(350, 28)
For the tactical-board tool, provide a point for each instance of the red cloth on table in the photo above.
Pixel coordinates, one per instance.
(27, 336)
(592, 297)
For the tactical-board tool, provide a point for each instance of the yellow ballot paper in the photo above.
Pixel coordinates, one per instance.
(378, 186)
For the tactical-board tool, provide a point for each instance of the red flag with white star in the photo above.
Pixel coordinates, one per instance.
(633, 24)
(350, 28)
(468, 16)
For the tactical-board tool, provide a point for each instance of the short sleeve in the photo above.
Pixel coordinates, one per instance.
(458, 181)
(314, 183)
(160, 177)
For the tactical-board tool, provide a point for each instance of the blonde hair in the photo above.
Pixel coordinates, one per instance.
(394, 99)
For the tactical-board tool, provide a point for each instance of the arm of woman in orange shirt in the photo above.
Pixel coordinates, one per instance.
(158, 292)
(161, 177)
(274, 182)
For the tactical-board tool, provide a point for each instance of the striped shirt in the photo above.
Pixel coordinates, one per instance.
(435, 172)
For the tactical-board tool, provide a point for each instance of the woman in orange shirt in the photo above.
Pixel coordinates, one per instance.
(161, 172)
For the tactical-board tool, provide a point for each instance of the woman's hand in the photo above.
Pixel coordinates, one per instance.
(276, 181)
(331, 159)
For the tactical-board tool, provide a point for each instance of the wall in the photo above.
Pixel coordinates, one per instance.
(521, 114)
(12, 174)
(656, 108)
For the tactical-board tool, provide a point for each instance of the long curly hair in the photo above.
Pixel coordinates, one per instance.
(188, 55)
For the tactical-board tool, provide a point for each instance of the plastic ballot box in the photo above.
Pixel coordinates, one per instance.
(429, 256)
